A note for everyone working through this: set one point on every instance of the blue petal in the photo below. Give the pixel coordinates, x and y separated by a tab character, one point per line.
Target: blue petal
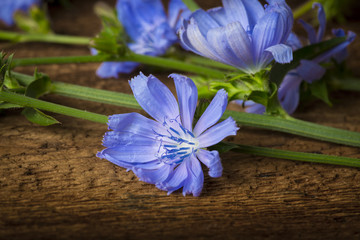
154	97
217	133
343	54
247	12
310	31
219	15
176	178
196	42
310	71
113	69
153	176
204	21
136	17
267	32
252	107
338	49
187	96
254	11
281	53
217	38
212	113
135	123
212	160
294	42
322	22
193	184
240	44
177	13
289	92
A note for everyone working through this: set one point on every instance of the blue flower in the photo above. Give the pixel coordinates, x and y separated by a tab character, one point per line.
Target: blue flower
167	151
241	33
308	70
151	31
9	7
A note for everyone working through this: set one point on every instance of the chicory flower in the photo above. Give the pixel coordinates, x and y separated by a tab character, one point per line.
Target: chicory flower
151	31
167	151
9	7
242	33
308	70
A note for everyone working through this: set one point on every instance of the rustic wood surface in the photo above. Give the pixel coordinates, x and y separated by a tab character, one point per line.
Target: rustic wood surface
54	187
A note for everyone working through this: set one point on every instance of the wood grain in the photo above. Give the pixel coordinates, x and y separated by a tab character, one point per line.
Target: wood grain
54	187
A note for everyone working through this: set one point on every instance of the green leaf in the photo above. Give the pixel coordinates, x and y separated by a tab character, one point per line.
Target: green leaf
38	117
278	71
40	86
319	90
5	105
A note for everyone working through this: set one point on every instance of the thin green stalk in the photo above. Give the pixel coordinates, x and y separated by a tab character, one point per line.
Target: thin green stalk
51	107
84	93
296	127
303	9
297	156
349	84
208	62
192	5
132	57
292	126
51	38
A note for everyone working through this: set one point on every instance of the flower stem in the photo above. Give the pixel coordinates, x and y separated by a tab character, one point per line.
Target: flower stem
303	9
131	57
51	107
290	125
51	38
297	127
208	62
192	5
84	93
349	84
297	156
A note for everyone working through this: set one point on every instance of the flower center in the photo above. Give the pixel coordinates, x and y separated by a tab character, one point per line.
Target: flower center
178	144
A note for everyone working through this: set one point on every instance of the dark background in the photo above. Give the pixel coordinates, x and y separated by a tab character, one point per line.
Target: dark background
54	187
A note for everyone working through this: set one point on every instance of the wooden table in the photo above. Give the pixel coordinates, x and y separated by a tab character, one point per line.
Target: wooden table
54	187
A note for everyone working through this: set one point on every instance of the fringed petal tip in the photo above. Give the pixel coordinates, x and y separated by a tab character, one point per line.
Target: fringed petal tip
281	53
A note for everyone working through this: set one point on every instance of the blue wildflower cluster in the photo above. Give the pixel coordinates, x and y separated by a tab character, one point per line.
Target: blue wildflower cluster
150	29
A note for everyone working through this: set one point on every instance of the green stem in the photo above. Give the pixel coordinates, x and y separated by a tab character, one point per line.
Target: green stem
192	5
131	57
297	156
303	9
349	84
51	107
51	38
296	127
84	93
292	126
208	62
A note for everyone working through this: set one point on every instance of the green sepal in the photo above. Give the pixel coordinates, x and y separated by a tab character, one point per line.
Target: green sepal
112	39
278	71
36	116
